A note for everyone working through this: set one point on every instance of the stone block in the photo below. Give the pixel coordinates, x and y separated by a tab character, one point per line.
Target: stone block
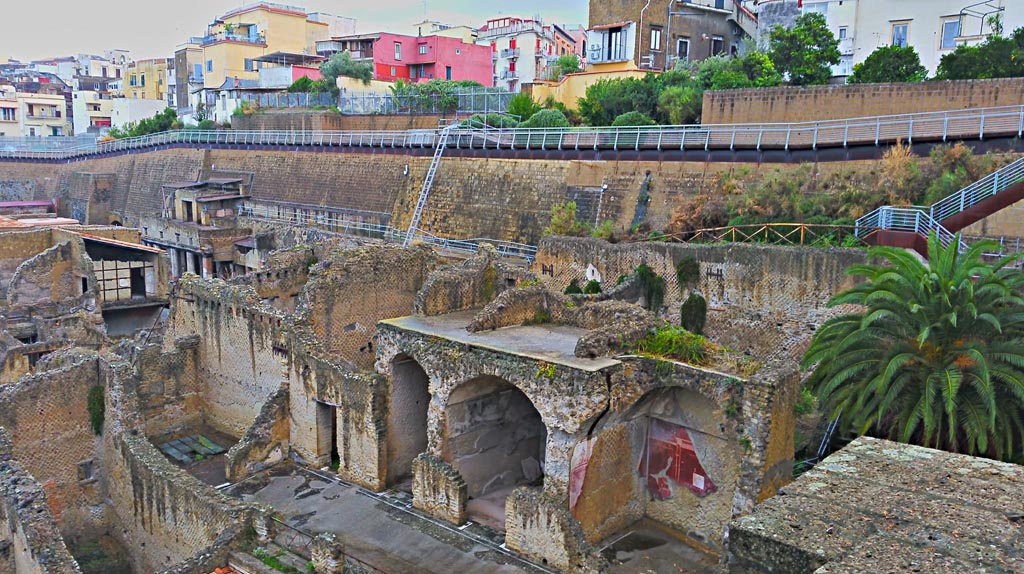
438	489
541	527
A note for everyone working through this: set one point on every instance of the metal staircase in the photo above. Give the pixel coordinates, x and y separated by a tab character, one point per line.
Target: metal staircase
973	203
421	202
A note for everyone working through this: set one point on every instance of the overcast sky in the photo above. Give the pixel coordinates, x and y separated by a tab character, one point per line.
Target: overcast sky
152	29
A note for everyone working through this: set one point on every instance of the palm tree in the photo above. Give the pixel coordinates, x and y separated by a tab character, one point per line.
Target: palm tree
934	355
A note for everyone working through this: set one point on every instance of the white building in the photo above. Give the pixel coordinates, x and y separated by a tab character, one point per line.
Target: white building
933	27
127	110
521	50
92	111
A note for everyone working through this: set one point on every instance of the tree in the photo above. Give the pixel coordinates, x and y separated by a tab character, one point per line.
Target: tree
996	57
342	64
633	119
889	64
546	119
161	122
935	356
522	105
680	104
564	65
805	52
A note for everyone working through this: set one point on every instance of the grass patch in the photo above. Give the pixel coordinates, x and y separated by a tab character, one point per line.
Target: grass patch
675	343
273	561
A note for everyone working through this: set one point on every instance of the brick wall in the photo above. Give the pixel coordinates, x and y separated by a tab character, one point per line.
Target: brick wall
854	101
746	286
48	422
236	362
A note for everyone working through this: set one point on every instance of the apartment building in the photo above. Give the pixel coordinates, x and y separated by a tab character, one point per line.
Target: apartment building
147	79
656	35
415	58
235	41
43	114
93	111
522	50
10	118
933	28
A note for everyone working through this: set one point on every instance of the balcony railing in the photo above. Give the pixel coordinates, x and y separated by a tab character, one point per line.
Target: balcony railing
260	39
510	53
509	74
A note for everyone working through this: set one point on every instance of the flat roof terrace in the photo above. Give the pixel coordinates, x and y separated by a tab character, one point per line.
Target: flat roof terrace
879	506
552	343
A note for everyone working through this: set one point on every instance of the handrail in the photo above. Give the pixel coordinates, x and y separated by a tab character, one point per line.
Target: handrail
930	216
301	216
973	123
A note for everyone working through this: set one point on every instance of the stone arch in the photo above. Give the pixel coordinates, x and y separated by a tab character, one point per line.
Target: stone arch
495	438
670	457
407	407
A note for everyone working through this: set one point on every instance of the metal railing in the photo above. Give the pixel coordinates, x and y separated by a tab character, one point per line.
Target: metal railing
772	233
303	216
975	193
460	101
910	219
935	126
924	218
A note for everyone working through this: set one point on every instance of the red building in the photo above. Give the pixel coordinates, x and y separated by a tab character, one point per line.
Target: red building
417	58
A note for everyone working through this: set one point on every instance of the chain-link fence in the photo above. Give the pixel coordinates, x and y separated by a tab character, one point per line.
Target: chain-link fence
289	100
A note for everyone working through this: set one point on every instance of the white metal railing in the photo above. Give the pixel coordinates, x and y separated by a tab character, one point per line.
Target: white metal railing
932	216
963	124
330	220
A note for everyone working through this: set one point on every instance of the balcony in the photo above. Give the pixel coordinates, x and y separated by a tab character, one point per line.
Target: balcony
846	46
258	40
44	115
509	75
513	30
510	53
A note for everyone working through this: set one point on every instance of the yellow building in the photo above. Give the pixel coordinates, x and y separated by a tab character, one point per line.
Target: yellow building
43	115
147	80
574	86
10	119
432	28
237	38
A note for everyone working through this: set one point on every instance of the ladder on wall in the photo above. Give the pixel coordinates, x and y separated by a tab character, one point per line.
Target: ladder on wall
421	202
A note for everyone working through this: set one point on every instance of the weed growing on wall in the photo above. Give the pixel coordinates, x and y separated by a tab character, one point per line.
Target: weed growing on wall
694	313
675	343
573	288
96	406
592	287
653	285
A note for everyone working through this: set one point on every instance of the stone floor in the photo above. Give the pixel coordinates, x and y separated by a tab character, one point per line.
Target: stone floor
551	343
380	531
647	548
385	533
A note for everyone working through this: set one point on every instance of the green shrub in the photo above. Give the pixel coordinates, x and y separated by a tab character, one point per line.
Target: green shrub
97	407
694	313
592	287
605	230
687	271
563	220
653	286
806	403
573	288
207	125
490	120
675	343
546	119
522	105
633	118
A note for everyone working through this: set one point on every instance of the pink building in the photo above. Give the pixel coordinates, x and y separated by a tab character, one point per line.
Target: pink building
424	58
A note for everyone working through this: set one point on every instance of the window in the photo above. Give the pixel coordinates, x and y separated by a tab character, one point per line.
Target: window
8	114
118	70
132	80
143	81
398	52
249	65
843	32
423	71
86	471
423	49
683	49
899	34
616	49
458	51
104	68
816	7
950	31
209	65
655	39
717	45
392	71
197	71
448	73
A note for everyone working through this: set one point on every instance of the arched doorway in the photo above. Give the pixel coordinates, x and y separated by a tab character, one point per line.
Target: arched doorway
495	438
408	400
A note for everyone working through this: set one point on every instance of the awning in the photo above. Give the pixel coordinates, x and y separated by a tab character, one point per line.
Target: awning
115	242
